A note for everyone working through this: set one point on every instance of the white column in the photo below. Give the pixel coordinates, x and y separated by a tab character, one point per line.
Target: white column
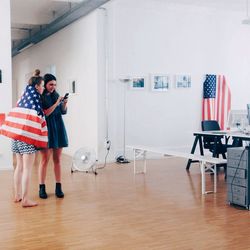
6	85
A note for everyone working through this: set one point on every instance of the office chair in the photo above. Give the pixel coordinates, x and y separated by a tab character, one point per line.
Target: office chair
209	140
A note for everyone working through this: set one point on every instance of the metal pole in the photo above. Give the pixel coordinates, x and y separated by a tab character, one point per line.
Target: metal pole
124	120
122	158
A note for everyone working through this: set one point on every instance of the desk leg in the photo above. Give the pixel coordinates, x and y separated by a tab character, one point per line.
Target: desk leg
134	161
203	178
215	178
144	162
137	154
201	146
192	151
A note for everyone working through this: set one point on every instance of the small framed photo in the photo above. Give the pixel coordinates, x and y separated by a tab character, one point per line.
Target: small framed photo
138	83
183	81
160	83
72	86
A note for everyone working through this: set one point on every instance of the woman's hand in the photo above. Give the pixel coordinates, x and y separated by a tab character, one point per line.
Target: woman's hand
59	99
64	104
65	100
50	110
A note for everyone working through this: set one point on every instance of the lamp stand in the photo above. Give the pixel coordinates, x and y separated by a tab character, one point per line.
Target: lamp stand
122	158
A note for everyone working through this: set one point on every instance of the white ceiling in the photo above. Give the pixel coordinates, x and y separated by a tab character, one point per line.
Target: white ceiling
230	5
29	15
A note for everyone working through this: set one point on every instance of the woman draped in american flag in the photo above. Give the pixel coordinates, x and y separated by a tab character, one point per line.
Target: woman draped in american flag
27	128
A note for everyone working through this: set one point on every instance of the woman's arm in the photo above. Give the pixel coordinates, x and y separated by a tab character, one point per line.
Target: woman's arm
50	110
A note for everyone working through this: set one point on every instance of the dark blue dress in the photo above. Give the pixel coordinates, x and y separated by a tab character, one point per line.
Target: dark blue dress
57	134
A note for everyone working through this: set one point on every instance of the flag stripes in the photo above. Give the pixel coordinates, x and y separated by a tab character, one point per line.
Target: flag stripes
25	125
216	102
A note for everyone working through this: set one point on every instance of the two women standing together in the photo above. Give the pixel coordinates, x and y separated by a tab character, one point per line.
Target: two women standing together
36	124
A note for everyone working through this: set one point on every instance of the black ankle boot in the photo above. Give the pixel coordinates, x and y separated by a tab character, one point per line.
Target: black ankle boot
59	192
42	191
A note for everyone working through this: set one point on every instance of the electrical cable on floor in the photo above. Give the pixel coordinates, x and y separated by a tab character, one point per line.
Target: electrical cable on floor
105	160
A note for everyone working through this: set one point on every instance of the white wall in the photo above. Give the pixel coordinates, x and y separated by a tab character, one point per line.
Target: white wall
6	86
73	51
157	37
142	37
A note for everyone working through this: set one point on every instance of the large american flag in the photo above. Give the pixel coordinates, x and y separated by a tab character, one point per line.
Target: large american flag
216	102
26	122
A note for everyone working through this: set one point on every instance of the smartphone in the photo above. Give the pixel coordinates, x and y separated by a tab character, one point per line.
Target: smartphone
66	96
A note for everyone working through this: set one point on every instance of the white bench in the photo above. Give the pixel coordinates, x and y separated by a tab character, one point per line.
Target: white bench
206	162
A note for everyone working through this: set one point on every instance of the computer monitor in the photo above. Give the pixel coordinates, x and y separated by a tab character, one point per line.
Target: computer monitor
238	119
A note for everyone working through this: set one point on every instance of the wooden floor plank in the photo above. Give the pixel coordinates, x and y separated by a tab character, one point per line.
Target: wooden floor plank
163	209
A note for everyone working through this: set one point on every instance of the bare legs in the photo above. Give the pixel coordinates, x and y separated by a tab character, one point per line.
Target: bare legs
46	153
57	163
18	178
22	176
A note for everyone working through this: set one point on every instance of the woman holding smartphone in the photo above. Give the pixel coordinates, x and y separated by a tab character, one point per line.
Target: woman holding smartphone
54	107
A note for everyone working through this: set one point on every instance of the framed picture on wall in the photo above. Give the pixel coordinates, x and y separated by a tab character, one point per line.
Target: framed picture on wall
72	86
138	83
160	82
183	81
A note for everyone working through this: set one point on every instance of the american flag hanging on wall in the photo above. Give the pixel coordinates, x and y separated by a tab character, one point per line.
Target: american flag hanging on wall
216	102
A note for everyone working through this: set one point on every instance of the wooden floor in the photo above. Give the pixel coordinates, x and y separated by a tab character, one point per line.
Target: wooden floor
116	210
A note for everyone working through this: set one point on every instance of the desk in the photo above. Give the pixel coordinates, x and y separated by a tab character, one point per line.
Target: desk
218	135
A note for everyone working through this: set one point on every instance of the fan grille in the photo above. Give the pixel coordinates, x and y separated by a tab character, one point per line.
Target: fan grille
84	159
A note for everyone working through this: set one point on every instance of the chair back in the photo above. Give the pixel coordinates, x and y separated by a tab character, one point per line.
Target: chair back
209	125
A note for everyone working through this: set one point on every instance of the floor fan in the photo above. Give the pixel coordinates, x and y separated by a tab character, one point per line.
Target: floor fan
84	160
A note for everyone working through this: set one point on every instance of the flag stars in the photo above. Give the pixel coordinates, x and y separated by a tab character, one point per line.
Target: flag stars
31	100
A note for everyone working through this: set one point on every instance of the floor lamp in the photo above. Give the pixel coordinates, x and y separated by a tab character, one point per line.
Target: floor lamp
122	158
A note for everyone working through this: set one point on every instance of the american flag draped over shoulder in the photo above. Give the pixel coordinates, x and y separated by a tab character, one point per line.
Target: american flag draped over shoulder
26	122
216	102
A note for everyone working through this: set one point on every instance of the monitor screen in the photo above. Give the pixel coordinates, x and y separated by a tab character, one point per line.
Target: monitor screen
238	119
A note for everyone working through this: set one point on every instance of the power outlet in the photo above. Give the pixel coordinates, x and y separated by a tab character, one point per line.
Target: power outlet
107	144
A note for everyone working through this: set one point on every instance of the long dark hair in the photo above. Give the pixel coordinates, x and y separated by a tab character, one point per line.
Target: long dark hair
54	95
